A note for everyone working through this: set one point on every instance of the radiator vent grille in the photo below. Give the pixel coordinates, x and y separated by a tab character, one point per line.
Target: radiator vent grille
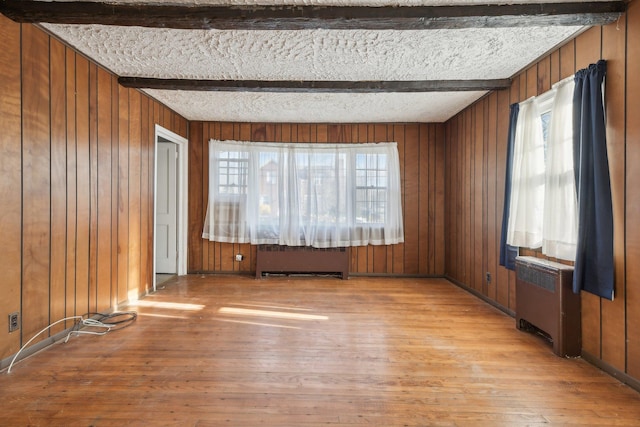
302	259
284	248
541	278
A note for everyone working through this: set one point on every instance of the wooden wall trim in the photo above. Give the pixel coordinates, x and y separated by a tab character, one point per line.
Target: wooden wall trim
288	17
315	86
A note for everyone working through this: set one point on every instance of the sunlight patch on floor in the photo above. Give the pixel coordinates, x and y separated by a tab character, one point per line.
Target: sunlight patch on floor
167	305
267	313
164	316
265	305
257	323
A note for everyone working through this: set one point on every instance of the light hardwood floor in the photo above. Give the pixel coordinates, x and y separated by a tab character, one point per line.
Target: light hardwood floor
234	351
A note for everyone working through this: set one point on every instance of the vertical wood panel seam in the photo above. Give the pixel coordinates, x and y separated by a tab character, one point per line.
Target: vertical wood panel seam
600	299
404	192
431	220
485	189
558	54
97	175
483	197
419	193
66	180
50	180
430	234
128	248
472	199
140	243
499	219
92	280
624	191
116	159
20	49
446	185
204	140
75	138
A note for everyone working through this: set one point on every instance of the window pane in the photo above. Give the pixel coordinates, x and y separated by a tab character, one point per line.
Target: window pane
232	172
371	188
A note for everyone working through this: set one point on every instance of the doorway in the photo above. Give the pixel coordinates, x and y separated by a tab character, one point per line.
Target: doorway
170	203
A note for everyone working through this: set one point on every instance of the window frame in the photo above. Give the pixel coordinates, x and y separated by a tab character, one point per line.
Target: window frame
328	219
367	189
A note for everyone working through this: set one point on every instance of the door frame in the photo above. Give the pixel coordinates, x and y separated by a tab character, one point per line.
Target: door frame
182	198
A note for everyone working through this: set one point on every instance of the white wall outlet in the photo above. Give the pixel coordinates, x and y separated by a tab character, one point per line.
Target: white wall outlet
239	257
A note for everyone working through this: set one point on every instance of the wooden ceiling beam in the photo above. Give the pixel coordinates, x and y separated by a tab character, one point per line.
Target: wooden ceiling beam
316	86
312	17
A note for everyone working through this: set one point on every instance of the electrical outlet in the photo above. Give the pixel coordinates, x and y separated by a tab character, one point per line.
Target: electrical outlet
488	278
14	321
239	257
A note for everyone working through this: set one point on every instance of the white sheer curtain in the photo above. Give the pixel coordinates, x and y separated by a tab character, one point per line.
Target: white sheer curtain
321	195
528	179
560	231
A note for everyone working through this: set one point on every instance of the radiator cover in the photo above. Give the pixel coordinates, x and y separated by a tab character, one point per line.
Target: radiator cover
302	259
545	300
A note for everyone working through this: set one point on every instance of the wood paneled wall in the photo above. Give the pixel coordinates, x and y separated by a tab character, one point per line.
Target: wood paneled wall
475	169
77	200
77	184
421	149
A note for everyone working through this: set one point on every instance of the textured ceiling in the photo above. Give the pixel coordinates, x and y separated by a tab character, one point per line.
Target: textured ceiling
491	53
317	107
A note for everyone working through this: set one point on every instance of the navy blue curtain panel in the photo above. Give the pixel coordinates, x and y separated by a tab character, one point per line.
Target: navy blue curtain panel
593	271
508	253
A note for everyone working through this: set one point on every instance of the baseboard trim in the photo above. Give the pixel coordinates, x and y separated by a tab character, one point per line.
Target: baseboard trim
398	276
481	296
35	348
595	361
43	344
614	372
387	275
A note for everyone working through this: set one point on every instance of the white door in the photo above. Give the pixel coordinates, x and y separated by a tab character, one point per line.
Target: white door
166	209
